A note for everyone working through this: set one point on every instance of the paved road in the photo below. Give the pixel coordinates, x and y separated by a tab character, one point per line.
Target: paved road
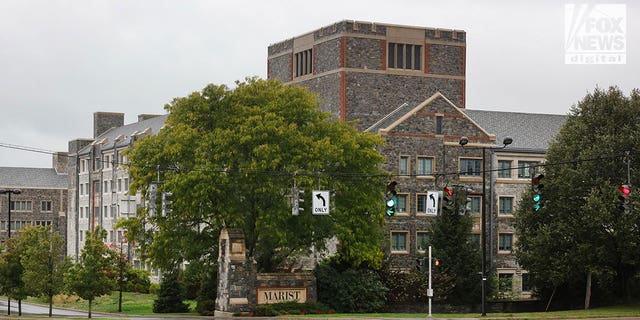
31	309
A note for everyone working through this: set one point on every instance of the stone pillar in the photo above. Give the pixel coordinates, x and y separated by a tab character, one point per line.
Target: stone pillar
236	275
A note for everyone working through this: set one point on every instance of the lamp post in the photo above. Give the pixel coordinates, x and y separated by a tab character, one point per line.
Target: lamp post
464	141
9	192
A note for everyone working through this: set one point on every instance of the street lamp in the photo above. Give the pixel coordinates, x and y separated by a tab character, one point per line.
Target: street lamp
9	192
464	141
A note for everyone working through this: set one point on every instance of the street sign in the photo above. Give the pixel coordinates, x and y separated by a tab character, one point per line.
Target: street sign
320	199
432	202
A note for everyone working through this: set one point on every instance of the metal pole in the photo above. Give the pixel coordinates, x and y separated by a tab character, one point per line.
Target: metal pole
483	227
430	290
9	216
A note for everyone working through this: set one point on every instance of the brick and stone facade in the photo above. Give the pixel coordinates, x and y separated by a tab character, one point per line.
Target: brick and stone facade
351	74
41	201
420	112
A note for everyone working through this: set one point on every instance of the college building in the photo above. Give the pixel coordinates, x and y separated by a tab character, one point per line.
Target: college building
404	83
407	84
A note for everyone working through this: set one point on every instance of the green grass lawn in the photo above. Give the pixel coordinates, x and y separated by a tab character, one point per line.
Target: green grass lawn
142	304
132	303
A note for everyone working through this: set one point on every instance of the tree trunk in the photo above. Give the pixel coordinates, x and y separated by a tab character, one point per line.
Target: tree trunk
551	298
90	300
587	294
19	307
50	305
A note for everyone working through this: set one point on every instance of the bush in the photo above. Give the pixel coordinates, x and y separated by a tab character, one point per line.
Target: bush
154	288
206	307
350	290
137	281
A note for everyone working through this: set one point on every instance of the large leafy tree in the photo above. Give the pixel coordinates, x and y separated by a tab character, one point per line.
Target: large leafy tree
231	156
580	237
44	262
90	276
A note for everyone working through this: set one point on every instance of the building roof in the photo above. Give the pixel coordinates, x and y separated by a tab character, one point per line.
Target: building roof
121	136
35	178
531	132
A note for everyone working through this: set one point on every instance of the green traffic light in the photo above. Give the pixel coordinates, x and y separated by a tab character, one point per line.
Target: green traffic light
537	197
537	207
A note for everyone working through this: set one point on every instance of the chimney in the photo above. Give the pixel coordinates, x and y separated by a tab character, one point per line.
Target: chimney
103	121
60	160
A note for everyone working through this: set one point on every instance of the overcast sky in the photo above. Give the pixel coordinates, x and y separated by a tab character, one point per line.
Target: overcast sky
61	61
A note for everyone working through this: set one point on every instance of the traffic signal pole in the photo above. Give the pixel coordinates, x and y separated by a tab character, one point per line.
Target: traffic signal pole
430	290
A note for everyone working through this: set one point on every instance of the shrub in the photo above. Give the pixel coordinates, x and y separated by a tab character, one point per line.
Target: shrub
205	307
350	290
137	281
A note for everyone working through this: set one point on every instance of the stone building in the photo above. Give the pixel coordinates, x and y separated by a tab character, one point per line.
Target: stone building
99	181
407	84
40	197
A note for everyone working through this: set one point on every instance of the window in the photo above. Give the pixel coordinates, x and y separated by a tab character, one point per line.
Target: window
120	236
470	167
21	205
505	282
526	282
81	189
403	168
45	206
421	203
525	169
112	237
106	161
504	168
506	205
404	56
505	242
86	188
401	206
105	212
425	166
126	184
119	185
83	165
304	62
81	234
422	240
105	188
97	163
439	129
399	241
474	204
81	212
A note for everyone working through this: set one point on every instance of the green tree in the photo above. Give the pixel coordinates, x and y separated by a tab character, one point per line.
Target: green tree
580	238
459	255
11	272
44	262
90	277
231	156
171	294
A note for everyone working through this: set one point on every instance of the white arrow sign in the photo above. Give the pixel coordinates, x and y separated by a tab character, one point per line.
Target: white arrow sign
320	199
432	202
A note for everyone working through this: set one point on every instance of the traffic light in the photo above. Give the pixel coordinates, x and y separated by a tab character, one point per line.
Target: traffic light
167	202
153	191
447	196
420	265
296	201
537	189
437	264
391	198
624	197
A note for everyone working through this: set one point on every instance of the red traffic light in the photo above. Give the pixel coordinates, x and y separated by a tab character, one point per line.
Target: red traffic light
625	189
448	191
538	178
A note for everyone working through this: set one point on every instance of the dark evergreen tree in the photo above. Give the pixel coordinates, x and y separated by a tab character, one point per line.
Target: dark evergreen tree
452	245
170	295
